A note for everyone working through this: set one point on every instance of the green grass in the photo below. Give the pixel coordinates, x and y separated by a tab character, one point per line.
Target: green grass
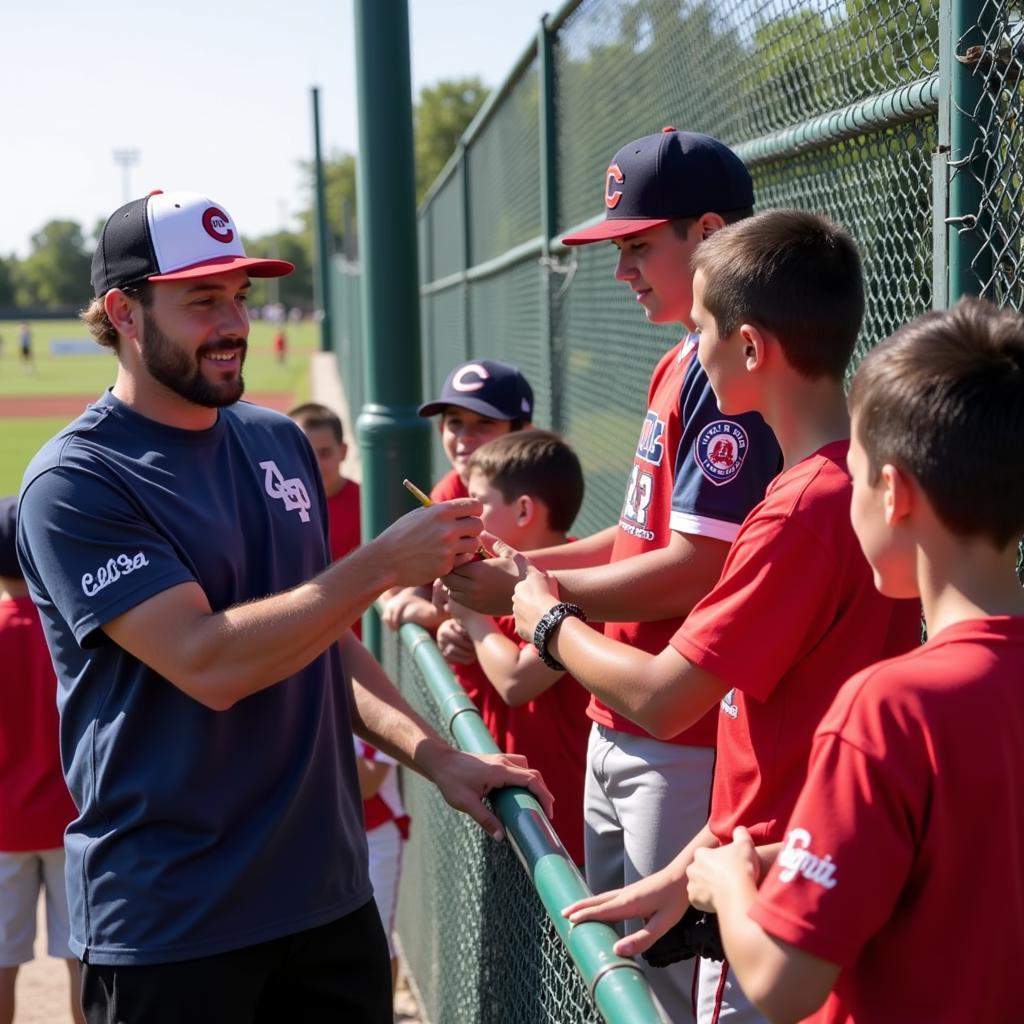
89	375
21	440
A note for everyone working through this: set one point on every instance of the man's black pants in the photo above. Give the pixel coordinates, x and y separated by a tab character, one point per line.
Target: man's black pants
337	972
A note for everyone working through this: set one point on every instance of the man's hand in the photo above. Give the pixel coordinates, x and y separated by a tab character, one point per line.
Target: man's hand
454	643
713	869
486	586
465	779
658	900
429	542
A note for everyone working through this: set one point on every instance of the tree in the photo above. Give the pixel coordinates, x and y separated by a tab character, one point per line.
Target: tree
7	281
297	288
340	199
442	114
56	272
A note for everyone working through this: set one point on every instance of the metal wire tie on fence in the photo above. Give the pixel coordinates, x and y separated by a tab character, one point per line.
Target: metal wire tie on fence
968	222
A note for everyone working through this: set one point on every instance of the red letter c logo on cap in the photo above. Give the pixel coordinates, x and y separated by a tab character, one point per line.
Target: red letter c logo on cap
611	199
459	382
217	224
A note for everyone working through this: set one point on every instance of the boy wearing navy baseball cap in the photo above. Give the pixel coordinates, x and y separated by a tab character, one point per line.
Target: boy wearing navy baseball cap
910	815
686	496
481	399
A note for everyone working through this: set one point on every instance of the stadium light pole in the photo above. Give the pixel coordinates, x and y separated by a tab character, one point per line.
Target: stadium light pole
126	159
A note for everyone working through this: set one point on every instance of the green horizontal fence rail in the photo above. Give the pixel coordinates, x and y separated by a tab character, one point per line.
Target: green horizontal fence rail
900	119
479	922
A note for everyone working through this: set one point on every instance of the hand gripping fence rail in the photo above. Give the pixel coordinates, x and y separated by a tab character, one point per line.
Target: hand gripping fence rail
483	937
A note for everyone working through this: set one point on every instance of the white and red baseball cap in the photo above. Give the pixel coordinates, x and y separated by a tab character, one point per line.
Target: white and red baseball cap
169	236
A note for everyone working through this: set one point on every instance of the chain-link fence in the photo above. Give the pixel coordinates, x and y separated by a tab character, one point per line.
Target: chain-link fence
909	135
901	119
475	935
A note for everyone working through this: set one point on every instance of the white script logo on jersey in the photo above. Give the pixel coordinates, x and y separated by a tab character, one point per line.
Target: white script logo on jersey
728	704
120	565
796	859
292	492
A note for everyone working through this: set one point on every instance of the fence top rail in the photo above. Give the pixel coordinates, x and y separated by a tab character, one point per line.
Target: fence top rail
615	983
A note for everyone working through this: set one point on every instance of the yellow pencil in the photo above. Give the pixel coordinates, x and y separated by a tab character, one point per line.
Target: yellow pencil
417	493
425	501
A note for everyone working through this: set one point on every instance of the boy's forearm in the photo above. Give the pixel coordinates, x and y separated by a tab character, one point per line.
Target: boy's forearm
662	693
661	584
517	677
588	551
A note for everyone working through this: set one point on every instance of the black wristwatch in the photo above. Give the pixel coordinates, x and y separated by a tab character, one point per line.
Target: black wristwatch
548	623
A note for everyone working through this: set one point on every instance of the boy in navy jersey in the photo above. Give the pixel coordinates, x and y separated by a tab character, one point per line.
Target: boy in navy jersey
694	475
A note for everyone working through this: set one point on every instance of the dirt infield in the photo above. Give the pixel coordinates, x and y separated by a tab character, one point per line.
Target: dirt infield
31	406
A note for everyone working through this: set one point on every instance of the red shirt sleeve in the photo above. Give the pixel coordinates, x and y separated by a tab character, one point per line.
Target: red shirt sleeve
775	599
847	855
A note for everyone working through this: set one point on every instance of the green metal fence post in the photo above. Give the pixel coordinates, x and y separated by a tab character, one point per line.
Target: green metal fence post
393	440
548	206
961	26
321	279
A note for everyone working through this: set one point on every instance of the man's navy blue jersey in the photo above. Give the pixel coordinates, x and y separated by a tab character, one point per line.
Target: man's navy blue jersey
199	831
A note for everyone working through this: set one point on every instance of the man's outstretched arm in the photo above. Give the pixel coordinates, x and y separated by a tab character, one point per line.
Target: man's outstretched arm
382	716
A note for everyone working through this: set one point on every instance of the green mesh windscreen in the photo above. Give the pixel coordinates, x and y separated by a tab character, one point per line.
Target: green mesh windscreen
606	352
506	322
473	933
504	201
347	332
445	312
446	241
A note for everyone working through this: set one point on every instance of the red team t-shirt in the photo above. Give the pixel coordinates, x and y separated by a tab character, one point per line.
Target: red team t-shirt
343	520
35	806
449	487
694	471
344	528
793	616
904	857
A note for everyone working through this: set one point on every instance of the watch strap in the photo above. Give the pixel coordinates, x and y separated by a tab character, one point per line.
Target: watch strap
546	626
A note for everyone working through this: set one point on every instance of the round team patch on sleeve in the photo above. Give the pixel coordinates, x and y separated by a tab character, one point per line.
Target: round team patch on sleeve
720	450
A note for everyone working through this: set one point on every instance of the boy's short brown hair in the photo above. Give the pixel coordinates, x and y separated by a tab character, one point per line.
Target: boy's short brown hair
795	274
534	462
943	399
313	415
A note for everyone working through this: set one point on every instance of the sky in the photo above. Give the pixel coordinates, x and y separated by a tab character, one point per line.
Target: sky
213	95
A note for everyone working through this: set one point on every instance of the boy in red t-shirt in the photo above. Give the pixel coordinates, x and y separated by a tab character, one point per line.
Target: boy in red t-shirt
778	301
35	806
905	850
481	400
531	487
326	436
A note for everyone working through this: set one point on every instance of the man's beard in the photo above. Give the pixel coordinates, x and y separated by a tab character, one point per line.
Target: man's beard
182	372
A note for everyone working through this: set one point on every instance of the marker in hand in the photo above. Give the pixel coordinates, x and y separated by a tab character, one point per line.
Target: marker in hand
426	502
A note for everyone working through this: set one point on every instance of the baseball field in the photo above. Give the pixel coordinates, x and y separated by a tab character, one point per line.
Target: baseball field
65	376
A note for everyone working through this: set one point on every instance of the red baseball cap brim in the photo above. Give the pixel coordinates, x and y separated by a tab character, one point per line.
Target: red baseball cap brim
256	268
609	229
